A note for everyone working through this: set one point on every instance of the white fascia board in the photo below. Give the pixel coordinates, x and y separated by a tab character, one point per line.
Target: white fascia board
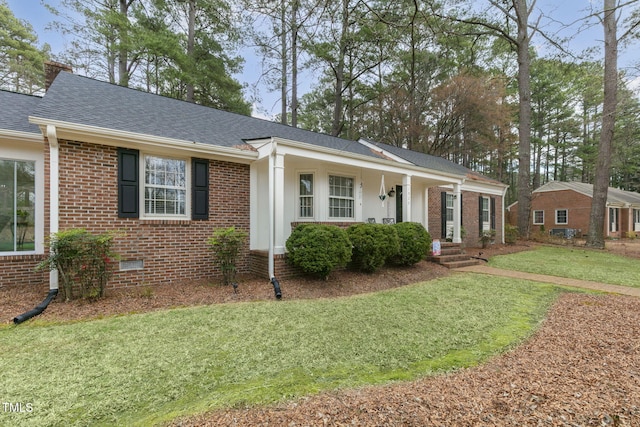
112	137
486	188
314	152
22	136
384	152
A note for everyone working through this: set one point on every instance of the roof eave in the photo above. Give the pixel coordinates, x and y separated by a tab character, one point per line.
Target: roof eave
112	137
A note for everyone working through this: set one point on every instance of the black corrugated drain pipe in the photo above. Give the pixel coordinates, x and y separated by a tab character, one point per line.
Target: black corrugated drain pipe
37	310
276	287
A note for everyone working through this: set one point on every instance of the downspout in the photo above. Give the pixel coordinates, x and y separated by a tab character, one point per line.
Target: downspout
54	224
272	219
504	193
54	193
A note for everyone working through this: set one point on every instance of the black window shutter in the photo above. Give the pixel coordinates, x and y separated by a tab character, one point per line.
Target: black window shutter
461	211
200	189
443	214
493	213
128	183
480	215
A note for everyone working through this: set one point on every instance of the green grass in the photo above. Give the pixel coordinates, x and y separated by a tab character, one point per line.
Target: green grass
574	263
149	368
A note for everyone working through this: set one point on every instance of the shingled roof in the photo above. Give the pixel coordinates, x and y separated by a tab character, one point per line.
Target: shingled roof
81	100
615	196
15	111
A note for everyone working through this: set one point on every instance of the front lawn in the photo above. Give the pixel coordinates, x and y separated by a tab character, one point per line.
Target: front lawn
574	263
149	368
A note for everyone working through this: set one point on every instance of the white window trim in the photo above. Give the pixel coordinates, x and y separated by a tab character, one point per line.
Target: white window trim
534	217
486	225
556	218
142	192
38	158
329	197
314	196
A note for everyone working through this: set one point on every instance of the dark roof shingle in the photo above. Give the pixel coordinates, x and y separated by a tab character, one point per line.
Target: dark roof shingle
15	110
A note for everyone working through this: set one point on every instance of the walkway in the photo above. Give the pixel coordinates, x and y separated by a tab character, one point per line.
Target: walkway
563	281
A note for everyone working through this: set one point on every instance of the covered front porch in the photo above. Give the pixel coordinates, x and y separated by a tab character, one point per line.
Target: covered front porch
292	182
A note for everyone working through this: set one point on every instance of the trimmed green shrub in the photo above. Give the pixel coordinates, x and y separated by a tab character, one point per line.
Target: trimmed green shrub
510	233
373	245
415	243
318	249
84	262
226	244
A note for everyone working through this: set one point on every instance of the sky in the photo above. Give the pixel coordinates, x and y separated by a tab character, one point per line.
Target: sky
555	12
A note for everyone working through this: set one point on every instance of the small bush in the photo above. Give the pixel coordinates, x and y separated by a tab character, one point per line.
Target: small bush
226	244
510	234
83	261
373	245
487	237
318	249
415	243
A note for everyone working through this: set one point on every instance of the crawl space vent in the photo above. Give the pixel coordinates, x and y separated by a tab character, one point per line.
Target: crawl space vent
131	265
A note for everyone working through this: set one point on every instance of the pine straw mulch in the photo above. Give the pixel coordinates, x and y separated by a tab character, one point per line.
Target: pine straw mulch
581	368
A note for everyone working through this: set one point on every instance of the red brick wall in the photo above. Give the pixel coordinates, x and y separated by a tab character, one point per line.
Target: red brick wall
578	209
173	251
470	215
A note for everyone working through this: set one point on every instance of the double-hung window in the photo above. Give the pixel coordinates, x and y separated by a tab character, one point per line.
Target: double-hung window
17	205
341	197
306	195
449	213
562	216
538	217
165	186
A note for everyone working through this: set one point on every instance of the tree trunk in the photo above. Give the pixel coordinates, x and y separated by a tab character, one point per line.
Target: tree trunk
337	122
294	63
190	46
123	54
283	64
603	165
524	127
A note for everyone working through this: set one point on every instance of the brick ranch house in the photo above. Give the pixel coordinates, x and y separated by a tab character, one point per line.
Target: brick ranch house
564	208
165	173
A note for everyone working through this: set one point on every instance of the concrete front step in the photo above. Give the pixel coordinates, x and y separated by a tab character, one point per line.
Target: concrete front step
459	264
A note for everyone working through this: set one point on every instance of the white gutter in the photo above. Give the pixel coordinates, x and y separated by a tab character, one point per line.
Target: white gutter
54	193
99	135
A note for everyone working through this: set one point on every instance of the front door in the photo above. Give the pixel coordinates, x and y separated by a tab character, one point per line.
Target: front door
398	203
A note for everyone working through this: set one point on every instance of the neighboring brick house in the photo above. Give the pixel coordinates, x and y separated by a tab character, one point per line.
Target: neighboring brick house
564	208
165	173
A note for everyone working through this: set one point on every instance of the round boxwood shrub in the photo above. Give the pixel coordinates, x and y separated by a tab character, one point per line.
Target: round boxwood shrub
415	243
318	249
373	245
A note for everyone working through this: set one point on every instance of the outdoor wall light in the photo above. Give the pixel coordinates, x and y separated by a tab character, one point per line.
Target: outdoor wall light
391	193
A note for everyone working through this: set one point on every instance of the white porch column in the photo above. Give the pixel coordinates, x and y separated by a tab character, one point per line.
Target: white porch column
278	198
406	198
457	213
54	192
425	209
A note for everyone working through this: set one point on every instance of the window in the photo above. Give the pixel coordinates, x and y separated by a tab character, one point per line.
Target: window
636	220
449	213
562	216
306	195
17	205
485	209
341	200
165	186
538	217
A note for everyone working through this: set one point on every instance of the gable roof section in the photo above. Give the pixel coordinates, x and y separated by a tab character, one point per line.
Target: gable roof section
83	101
615	196
15	111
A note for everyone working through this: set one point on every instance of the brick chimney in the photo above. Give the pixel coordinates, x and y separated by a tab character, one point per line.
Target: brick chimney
51	71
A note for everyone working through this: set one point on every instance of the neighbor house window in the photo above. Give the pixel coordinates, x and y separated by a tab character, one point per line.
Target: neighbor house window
613	219
17	205
165	186
306	195
562	216
538	217
636	220
341	199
